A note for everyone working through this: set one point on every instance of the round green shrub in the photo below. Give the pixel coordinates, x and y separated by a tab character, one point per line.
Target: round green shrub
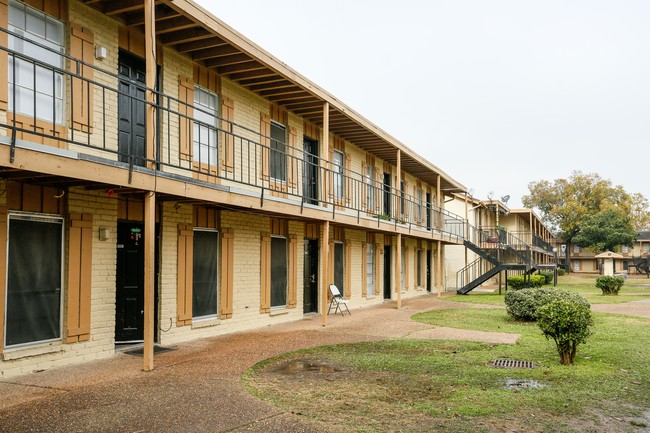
610	285
518	282
548	276
523	304
561	272
567	323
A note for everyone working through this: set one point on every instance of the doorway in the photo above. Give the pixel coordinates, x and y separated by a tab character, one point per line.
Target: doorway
428	270
310	283
428	205
387	195
131	109
129	291
310	171
387	273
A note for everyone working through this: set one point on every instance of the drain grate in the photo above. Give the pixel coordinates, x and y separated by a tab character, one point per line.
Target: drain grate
511	363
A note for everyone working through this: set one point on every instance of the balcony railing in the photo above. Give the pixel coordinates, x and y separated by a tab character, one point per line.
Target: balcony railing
194	143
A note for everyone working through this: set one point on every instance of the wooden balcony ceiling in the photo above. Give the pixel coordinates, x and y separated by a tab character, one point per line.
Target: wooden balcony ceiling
194	32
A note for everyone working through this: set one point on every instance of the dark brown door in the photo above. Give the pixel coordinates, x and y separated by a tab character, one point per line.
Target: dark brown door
387	274
310	284
131	109
129	293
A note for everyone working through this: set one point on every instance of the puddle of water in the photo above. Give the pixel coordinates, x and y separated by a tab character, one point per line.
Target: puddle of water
524	384
298	366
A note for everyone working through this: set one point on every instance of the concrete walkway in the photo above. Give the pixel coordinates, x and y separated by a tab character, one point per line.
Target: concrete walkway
197	386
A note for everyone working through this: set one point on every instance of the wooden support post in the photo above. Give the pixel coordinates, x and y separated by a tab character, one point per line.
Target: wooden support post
398	270
150	197
324	266
149	263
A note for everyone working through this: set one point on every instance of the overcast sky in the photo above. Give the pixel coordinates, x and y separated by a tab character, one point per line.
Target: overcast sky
496	93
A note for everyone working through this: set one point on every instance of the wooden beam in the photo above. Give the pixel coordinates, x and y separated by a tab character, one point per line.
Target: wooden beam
252	65
214	51
280	84
189	35
295	91
137	18
120	7
175	25
210	42
232	59
149	198
261	73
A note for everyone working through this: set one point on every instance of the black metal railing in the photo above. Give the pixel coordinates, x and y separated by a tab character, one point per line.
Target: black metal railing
194	142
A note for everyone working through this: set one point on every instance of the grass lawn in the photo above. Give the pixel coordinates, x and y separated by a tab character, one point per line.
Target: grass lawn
450	386
634	289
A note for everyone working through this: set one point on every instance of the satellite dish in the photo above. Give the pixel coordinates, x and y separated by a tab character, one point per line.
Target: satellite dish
505	199
490	195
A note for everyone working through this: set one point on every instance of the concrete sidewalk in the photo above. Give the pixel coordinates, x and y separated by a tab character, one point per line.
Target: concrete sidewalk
197	387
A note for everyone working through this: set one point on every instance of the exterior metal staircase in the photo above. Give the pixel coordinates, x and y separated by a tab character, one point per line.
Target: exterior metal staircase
497	250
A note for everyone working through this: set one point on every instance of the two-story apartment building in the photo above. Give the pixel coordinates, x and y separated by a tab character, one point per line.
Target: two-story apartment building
628	260
165	179
499	241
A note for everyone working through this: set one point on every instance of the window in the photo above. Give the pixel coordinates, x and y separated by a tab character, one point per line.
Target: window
646	248
279	270
576	249
418	199
339	166
626	265
625	249
576	265
205	273
34	279
205	126
35	89
370	190
339	266
278	153
403	197
370	270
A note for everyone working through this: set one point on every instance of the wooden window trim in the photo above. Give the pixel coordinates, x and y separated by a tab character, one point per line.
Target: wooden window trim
82	47
80	247
265	273
184	279
227	269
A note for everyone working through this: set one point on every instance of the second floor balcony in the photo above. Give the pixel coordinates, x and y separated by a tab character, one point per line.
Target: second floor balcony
66	104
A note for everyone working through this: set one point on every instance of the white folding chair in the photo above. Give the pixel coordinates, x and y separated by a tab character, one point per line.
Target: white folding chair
338	301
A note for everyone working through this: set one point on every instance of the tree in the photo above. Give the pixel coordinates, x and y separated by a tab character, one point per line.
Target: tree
565	203
605	231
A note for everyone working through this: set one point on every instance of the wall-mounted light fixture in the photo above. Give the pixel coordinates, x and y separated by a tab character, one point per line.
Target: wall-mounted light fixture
104	233
100	52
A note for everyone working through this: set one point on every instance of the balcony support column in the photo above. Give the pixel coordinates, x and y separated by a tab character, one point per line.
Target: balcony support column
439	269
150	196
